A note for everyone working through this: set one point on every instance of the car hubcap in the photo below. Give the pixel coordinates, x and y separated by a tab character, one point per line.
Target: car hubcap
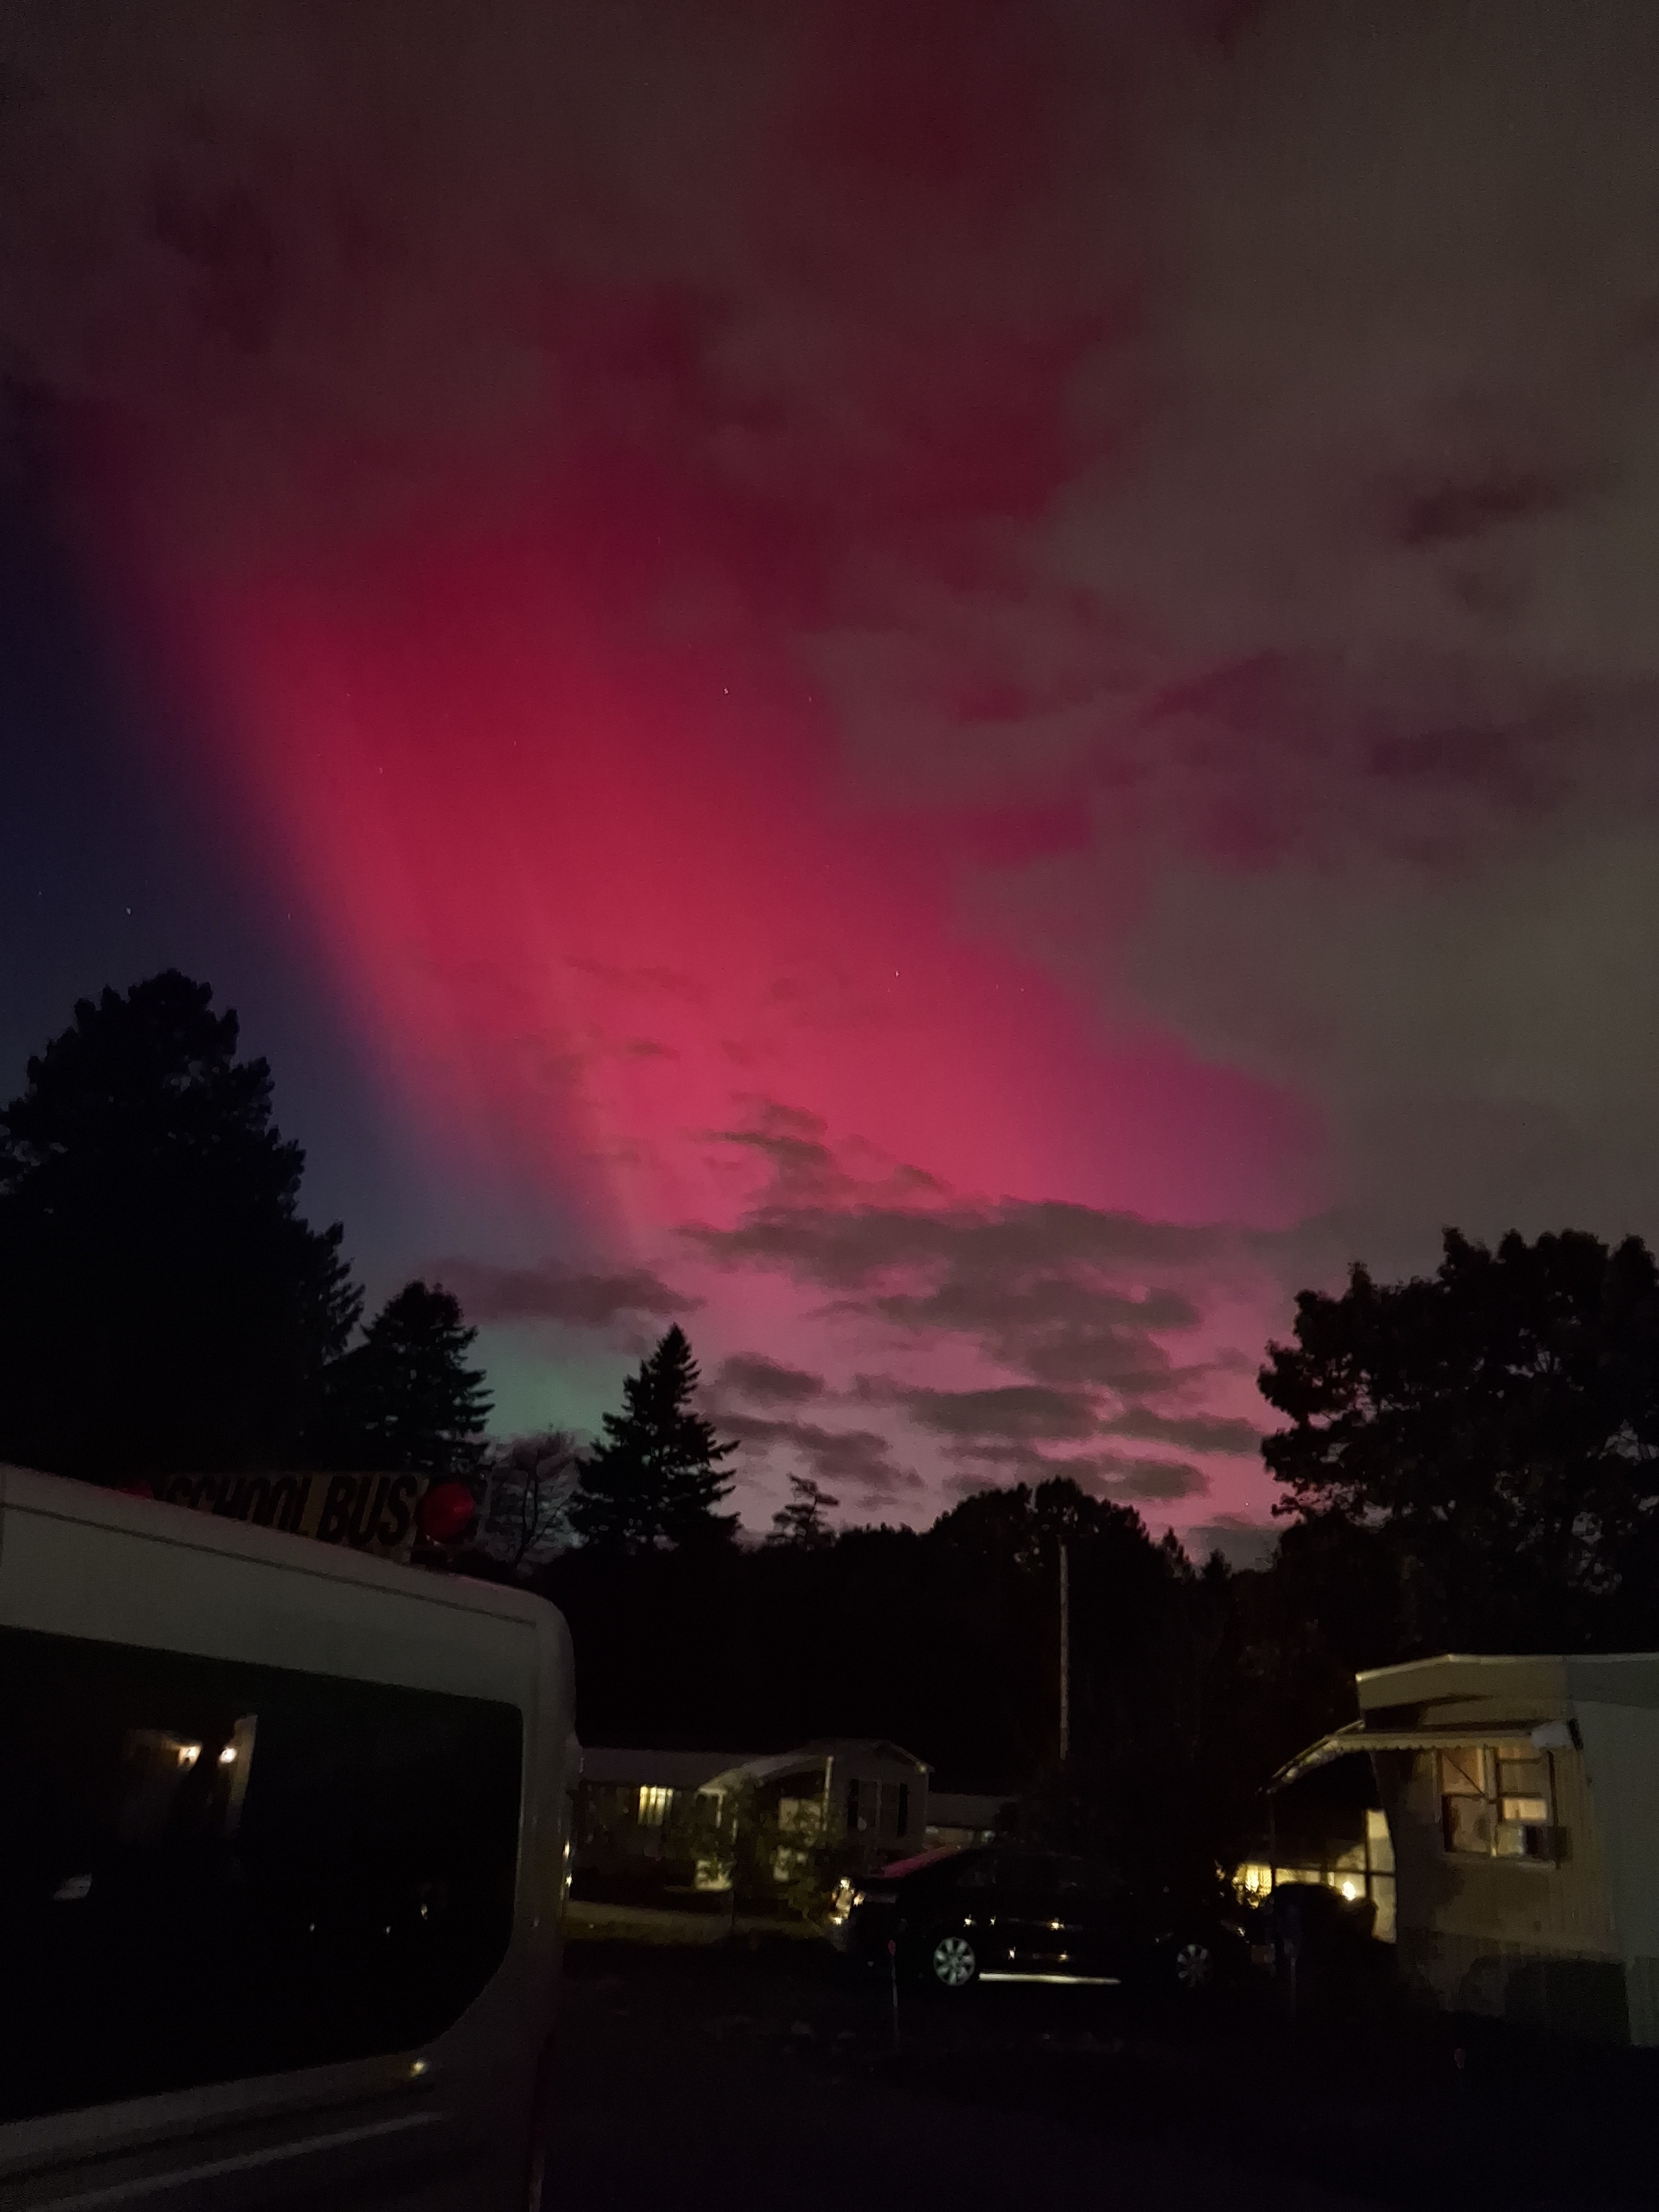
1192	1965
953	1960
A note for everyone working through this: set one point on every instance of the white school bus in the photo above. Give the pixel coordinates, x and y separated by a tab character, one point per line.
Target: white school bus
284	1838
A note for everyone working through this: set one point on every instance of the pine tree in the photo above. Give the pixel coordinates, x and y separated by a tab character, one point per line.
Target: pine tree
801	1523
404	1397
163	1303
657	1479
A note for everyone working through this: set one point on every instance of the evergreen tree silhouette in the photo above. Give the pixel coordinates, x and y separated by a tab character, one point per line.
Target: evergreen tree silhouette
404	1398
657	1479
163	1305
801	1521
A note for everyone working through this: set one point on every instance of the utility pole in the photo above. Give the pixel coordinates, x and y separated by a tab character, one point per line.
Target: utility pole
1065	1655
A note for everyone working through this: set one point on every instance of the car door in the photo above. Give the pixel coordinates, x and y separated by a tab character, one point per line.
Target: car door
1024	1913
1101	1930
969	1896
1060	1920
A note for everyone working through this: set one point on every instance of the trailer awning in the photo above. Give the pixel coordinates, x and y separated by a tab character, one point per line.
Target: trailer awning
1356	1736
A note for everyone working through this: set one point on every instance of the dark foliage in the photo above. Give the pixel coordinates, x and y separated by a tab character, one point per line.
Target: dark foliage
804	1520
1475	1452
163	1305
404	1398
526	1521
657	1478
1187	1688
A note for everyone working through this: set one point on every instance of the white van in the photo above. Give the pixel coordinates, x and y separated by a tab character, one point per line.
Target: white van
283	1841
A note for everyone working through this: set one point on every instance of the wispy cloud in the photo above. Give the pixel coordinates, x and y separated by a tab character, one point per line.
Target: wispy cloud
1070	1314
854	1459
762	1382
489	1292
1123	1477
1012	1410
1193	1431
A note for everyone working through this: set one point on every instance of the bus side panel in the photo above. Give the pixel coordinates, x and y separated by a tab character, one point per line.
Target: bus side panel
70	1575
139	1586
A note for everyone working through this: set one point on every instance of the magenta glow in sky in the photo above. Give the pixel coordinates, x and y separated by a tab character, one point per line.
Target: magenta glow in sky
970	686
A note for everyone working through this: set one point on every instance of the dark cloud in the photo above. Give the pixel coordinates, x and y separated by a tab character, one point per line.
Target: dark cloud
766	1382
1075	1299
1209	1432
1062	1328
1129	1480
792	1144
1276	515
1249	511
1014	1410
854	1246
493	1293
840	1458
1068	1295
1444	509
1160	1481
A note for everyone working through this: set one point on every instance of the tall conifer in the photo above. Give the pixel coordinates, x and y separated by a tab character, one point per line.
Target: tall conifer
657	1479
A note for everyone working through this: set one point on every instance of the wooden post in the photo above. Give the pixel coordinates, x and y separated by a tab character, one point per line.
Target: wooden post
1065	1656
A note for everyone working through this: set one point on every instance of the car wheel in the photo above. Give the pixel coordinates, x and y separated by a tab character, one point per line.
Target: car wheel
1192	1965
951	1962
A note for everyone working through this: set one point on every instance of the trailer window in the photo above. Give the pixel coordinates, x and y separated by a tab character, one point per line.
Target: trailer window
1495	1801
209	1870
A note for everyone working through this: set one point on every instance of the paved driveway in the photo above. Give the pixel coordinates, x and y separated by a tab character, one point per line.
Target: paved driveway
691	2081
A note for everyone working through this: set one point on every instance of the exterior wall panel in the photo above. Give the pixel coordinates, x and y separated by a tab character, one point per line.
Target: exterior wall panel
1567	1944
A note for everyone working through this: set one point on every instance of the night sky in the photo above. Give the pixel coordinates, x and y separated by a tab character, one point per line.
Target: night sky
954	691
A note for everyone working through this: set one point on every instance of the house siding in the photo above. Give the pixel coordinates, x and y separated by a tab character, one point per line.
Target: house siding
1570	1945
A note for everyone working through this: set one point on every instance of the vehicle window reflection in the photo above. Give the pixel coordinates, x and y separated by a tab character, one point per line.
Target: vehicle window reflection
210	1870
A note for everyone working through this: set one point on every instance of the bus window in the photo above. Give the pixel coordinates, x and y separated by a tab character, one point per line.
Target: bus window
210	1870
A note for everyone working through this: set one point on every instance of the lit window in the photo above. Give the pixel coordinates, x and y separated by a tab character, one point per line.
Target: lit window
653	1805
1523	1801
1495	1801
799	1816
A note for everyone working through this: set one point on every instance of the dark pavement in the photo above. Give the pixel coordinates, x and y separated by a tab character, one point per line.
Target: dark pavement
742	2076
692	2078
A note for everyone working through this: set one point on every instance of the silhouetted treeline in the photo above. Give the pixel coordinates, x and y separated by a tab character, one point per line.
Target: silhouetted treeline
1186	1689
164	1305
1473	1457
1471	1463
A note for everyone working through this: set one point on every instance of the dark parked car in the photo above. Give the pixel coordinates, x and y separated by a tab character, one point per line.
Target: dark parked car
991	1914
